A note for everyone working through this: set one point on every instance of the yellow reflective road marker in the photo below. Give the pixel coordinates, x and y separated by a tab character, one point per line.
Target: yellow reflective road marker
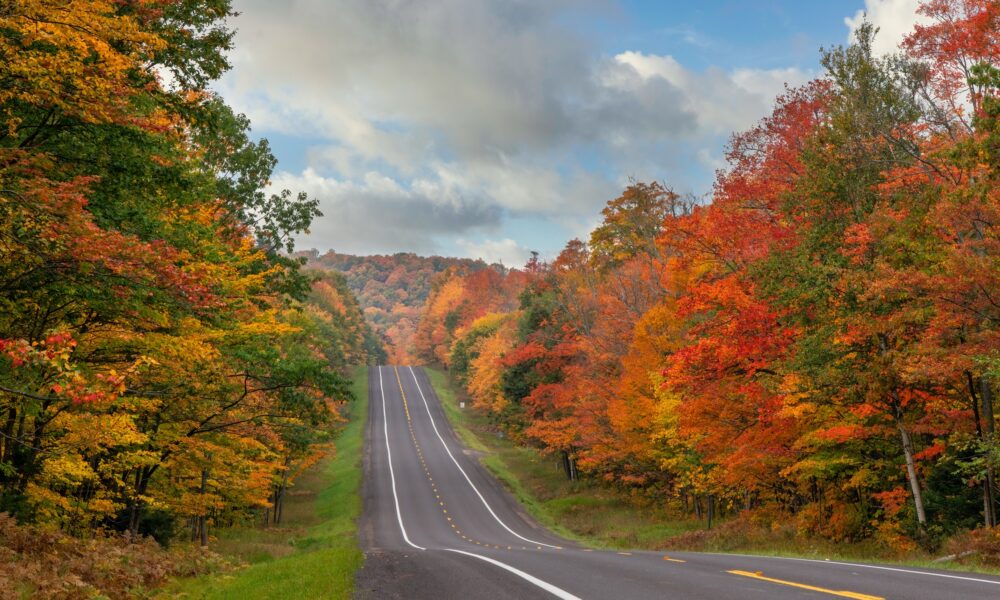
841	593
676	560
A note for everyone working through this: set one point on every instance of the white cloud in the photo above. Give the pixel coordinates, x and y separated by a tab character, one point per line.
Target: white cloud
894	19
380	214
506	251
721	101
437	119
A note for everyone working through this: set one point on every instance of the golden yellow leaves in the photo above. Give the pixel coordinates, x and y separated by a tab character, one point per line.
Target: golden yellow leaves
73	56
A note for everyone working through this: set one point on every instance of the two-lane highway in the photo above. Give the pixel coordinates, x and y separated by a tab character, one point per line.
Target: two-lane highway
438	525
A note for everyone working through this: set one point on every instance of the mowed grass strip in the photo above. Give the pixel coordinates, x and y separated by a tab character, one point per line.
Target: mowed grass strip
577	510
314	553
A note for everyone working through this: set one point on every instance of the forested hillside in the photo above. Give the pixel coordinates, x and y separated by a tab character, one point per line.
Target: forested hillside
165	369
392	289
819	345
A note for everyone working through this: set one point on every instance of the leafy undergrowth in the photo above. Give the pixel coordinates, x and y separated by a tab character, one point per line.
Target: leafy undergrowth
314	553
37	563
608	518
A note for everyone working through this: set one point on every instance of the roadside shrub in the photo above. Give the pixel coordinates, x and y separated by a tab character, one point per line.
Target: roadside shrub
979	546
41	563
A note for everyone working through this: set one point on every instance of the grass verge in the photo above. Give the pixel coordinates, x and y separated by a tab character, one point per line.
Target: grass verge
605	518
315	552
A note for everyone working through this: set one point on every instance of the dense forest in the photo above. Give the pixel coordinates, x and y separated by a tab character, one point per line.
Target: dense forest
165	367
819	344
392	289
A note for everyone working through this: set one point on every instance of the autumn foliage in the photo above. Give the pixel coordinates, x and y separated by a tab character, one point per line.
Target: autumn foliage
820	342
392	290
165	368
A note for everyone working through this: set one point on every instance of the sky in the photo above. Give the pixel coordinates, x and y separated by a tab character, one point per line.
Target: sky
491	128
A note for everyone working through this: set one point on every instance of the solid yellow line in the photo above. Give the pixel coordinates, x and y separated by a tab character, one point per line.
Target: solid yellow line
406	405
803	586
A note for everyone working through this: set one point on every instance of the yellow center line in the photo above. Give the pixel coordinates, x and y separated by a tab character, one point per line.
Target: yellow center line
406	405
841	593
420	455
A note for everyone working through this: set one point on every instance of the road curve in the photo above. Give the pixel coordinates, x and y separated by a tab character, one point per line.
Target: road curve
437	525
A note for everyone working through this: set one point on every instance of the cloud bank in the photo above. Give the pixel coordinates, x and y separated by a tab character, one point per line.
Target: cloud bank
432	125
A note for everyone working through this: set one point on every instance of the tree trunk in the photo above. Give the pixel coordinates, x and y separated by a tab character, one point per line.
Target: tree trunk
989	431
28	470
711	509
7	443
279	495
911	469
567	469
987	395
202	529
989	513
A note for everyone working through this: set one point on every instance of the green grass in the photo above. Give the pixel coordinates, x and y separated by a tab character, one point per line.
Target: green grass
601	517
315	552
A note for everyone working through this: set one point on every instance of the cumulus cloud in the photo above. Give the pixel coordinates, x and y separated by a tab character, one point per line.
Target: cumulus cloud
484	75
378	215
894	19
720	101
446	118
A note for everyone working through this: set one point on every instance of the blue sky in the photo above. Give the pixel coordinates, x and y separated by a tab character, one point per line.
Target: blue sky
729	33
488	128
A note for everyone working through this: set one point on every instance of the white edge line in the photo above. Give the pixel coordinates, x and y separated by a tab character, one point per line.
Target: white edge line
464	474
863	566
392	476
548	587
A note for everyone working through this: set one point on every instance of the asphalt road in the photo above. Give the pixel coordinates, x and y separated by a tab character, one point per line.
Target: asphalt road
438	526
